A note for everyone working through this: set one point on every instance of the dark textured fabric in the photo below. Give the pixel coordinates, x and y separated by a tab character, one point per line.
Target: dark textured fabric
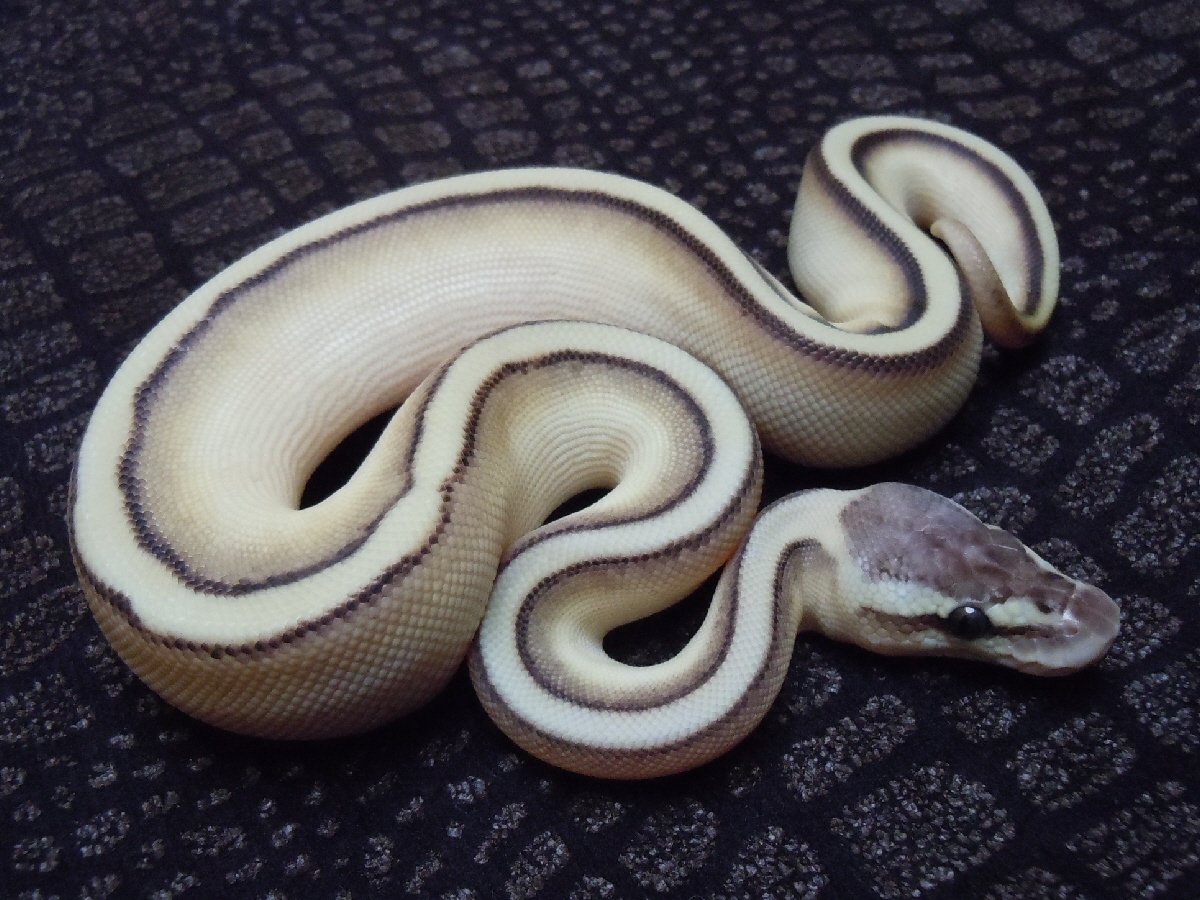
145	144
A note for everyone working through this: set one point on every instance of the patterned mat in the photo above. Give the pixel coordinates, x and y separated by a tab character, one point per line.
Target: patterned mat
145	144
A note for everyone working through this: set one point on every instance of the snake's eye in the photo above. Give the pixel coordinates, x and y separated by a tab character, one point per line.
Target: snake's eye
968	622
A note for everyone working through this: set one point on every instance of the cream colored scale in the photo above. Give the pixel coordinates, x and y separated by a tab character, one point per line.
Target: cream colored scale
658	349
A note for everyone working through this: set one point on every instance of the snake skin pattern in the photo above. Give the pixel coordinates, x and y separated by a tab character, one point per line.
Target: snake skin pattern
145	146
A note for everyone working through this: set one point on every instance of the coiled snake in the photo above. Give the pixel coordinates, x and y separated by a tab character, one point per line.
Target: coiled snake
255	615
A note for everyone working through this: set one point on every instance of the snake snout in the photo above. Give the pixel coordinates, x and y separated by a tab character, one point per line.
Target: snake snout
1094	618
1088	622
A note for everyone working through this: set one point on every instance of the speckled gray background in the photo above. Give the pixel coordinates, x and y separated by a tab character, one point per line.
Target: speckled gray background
145	144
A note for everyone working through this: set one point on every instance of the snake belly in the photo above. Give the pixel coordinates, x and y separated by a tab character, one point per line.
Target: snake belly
257	616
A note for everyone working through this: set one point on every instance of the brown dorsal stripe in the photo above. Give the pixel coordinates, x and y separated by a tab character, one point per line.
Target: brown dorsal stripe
757	696
156	544
917	299
147	393
713	659
868	144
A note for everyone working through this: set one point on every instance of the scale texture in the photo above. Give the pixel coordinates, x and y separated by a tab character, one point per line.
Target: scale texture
146	146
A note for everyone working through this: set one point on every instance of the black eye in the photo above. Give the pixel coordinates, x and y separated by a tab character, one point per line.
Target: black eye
968	622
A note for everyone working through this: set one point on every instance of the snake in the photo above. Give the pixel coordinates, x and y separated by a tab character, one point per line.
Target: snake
543	332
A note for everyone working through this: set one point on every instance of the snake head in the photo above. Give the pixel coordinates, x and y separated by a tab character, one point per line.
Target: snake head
933	579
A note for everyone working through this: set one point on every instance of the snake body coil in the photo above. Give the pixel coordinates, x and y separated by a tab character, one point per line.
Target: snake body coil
257	616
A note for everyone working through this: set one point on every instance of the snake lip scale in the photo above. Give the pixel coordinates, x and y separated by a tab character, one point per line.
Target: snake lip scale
546	332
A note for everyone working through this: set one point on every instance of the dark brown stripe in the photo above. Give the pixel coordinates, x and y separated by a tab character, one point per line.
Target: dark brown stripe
708	448
742	297
917	300
675	549
758	696
156	544
868	144
397	572
931	622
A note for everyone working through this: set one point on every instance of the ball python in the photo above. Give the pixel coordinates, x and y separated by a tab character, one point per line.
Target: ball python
544	332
